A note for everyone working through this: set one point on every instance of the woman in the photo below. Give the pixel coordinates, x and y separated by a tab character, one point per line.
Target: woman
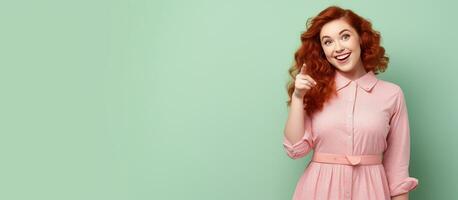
356	124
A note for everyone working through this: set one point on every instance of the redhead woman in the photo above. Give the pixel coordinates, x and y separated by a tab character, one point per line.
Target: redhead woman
356	124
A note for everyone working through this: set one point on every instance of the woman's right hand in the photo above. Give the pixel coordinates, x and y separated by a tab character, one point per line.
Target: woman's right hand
303	83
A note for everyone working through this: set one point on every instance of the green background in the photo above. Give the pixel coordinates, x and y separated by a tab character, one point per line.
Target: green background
109	99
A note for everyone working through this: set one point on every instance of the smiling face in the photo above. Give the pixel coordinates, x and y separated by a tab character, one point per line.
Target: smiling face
341	45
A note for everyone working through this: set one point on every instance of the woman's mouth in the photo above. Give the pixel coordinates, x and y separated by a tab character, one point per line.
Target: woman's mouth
342	58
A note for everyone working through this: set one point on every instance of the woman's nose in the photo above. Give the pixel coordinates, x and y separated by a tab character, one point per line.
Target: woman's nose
338	48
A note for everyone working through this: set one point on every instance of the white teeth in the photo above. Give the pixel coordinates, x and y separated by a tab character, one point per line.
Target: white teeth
341	57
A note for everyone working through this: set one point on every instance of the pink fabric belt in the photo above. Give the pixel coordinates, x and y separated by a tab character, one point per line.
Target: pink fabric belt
347	159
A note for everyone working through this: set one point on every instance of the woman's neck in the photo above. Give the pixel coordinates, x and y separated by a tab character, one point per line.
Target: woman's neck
354	74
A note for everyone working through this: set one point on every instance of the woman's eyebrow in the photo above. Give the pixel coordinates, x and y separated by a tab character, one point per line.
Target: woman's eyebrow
339	33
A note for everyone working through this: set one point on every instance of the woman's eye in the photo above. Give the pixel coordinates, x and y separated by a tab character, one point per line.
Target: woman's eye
346	36
327	42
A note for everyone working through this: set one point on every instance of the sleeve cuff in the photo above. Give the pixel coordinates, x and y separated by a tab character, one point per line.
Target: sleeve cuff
298	149
289	145
404	186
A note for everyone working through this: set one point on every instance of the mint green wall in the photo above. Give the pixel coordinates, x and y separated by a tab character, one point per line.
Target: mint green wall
186	99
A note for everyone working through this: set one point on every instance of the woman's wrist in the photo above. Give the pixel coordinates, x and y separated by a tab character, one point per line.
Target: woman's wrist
297	95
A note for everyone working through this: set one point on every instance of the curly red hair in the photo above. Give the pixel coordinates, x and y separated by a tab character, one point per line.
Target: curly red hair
311	53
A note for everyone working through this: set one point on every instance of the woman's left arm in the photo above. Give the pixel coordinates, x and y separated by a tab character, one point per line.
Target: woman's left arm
397	154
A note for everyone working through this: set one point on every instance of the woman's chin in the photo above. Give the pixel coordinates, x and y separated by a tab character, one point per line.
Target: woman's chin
344	67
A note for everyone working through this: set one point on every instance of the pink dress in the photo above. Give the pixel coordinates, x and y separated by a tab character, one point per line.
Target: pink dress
369	116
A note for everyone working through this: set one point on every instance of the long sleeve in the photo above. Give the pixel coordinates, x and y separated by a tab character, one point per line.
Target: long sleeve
303	146
396	157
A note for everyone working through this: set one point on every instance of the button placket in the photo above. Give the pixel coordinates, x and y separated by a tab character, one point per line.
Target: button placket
350	116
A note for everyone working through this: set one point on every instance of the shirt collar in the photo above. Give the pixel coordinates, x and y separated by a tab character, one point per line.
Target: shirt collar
366	82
